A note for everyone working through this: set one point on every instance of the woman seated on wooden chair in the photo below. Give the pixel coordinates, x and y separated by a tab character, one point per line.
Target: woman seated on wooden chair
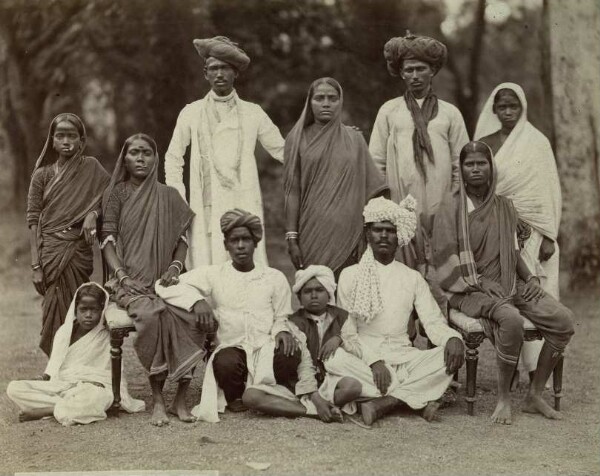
143	241
478	264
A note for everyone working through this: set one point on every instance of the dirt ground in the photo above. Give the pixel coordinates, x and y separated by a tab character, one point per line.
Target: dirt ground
401	443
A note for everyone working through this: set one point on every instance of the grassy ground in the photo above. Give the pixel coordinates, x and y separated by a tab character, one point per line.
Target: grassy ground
402	443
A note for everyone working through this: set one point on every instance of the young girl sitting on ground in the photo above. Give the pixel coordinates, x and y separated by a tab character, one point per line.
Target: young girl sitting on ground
76	385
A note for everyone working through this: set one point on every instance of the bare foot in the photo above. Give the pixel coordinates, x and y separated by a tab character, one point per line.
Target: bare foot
159	415
36	414
536	404
430	411
180	410
502	414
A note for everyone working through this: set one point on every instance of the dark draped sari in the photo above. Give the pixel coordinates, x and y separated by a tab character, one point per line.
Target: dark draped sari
148	228
59	200
337	178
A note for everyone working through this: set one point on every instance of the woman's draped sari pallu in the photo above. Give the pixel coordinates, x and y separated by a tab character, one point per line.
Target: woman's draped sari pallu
337	177
150	224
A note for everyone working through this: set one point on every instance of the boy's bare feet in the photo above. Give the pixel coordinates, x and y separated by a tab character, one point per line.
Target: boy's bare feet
502	414
181	411
536	404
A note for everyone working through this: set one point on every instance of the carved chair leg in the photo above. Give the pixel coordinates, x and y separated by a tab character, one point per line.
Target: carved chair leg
557	375
471	358
116	352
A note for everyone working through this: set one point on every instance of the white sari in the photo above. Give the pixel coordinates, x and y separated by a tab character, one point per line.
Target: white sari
527	175
80	385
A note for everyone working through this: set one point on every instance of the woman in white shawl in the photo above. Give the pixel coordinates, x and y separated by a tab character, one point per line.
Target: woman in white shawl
76	385
527	175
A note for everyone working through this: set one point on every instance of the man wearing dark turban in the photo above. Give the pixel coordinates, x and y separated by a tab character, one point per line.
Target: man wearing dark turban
222	131
249	308
417	138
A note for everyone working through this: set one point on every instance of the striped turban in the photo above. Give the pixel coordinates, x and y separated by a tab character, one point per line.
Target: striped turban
222	48
236	218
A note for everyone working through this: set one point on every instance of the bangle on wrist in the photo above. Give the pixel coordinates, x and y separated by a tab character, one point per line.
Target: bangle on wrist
173	265
120	268
36	266
123	278
291	235
178	264
531	277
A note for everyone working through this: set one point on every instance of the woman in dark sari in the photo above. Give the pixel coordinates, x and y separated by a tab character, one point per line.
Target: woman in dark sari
62	208
479	267
143	241
328	178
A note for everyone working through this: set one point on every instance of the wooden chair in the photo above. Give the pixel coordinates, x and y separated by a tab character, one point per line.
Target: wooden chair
119	325
473	335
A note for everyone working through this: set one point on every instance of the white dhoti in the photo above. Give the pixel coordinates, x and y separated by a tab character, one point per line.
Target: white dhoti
81	402
419	380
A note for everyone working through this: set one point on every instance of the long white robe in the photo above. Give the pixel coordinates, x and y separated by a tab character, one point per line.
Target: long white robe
209	199
75	370
391	147
418	376
251	309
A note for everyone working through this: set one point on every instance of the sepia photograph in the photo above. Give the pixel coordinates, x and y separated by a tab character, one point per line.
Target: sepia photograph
299	237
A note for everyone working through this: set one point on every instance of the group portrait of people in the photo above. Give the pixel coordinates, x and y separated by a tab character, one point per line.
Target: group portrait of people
419	221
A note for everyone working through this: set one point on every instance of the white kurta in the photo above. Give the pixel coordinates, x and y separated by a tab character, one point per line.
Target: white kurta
209	199
251	309
391	147
418	376
79	389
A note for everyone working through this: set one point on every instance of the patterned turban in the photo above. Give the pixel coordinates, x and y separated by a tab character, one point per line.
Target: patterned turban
322	274
236	218
420	48
402	216
222	48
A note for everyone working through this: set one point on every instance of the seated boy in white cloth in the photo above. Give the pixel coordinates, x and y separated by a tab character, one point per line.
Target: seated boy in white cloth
380	294
76	385
249	304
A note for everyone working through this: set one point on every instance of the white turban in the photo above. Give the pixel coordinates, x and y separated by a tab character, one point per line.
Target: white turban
322	274
401	215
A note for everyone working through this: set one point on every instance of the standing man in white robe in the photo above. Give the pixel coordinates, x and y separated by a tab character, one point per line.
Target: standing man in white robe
417	138
380	294
222	131
249	304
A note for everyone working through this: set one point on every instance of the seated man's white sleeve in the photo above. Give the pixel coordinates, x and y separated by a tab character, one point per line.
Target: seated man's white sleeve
430	316
193	286
282	303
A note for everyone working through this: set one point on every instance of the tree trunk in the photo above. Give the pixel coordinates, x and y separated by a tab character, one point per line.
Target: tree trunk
572	31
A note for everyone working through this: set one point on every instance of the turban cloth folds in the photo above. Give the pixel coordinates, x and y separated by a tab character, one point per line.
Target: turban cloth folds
236	218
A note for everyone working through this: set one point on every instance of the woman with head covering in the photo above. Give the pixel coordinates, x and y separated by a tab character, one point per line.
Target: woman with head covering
328	177
62	208
417	137
527	175
76	385
143	242
478	265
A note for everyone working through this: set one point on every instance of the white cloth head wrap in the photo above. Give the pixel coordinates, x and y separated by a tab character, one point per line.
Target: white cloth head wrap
366	301
322	274
401	215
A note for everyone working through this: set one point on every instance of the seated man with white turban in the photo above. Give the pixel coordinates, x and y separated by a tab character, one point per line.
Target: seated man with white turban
221	131
320	323
249	305
380	294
